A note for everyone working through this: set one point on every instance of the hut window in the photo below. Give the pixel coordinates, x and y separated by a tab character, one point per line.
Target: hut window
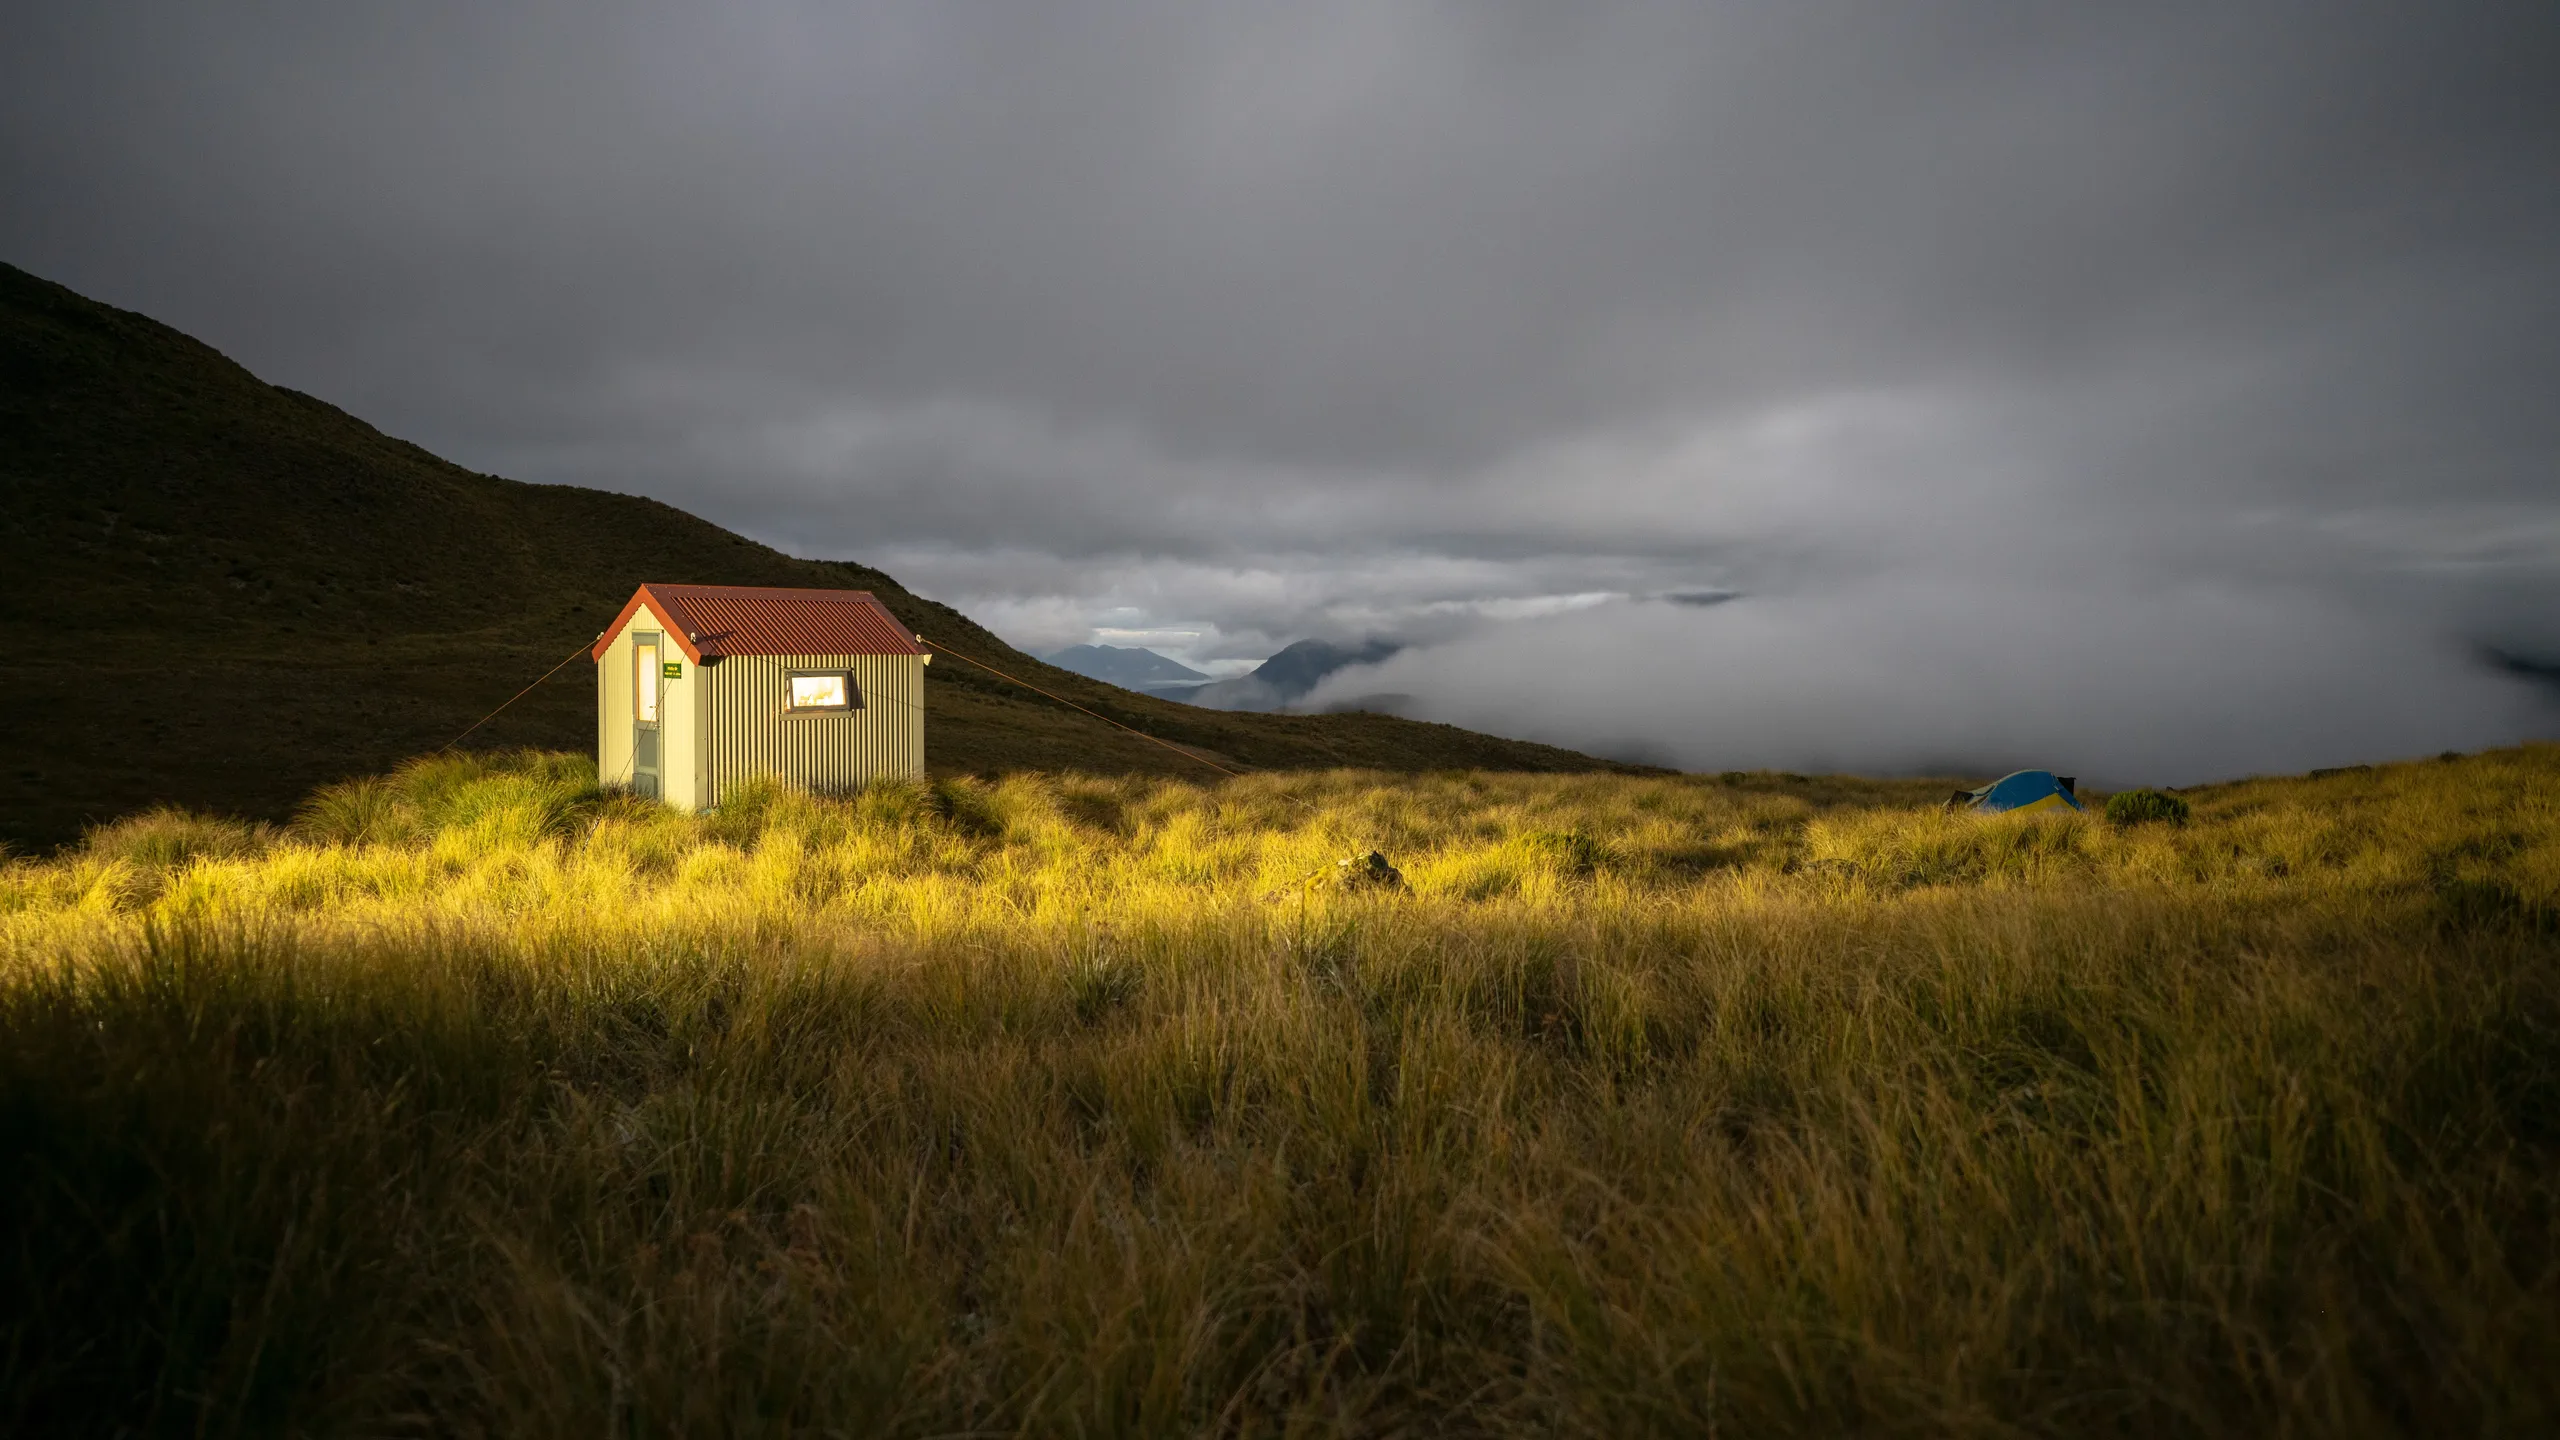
644	675
823	692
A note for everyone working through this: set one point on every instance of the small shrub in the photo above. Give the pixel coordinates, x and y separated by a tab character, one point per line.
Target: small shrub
893	804
168	839
1099	984
2136	807
747	805
970	805
522	793
2466	904
1576	851
366	811
1023	807
509	810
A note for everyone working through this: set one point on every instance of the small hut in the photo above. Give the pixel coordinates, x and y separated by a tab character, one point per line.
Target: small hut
701	686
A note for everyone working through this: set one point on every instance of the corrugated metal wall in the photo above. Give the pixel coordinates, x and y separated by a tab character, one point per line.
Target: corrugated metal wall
749	734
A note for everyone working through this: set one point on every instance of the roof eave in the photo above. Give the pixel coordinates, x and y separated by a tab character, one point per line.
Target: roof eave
640	599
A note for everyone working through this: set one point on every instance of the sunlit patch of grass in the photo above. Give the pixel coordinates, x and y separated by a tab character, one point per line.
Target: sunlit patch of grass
483	1101
1953	847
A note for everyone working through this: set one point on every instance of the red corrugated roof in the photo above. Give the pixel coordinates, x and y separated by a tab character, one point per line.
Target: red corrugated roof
709	621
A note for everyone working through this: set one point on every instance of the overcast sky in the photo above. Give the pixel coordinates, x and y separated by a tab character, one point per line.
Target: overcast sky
2160	391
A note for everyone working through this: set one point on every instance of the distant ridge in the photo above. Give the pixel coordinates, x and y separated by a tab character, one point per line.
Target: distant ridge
221	593
1128	667
1289	676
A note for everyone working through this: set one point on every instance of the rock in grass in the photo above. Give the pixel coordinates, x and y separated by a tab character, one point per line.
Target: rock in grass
1367	872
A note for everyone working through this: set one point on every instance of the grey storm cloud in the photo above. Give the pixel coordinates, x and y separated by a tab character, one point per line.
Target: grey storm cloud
2053	346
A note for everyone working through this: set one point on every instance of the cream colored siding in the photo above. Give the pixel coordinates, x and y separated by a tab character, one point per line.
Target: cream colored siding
698	716
680	730
723	722
750	735
613	711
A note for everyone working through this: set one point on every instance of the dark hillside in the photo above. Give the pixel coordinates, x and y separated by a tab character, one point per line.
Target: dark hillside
221	593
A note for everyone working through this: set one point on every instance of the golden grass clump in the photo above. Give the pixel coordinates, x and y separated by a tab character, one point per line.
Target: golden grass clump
479	1101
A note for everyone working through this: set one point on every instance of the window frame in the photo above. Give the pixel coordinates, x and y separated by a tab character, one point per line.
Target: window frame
852	694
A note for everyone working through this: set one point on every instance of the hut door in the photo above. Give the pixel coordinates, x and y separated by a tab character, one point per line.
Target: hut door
646	690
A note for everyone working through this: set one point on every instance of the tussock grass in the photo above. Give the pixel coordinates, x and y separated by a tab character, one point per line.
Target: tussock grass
480	1102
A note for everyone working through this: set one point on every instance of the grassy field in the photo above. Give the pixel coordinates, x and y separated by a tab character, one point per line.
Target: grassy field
477	1103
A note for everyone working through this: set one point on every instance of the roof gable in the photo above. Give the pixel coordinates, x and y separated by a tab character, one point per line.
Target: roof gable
709	621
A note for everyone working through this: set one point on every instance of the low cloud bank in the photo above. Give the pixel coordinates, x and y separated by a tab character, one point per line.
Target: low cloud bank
1905	674
1217	328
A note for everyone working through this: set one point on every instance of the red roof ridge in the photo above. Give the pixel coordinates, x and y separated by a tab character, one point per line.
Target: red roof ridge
826	591
709	621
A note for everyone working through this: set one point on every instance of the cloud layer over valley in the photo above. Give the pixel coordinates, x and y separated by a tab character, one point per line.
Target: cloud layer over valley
2163	392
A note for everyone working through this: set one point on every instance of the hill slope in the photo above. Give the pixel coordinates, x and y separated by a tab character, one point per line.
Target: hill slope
222	593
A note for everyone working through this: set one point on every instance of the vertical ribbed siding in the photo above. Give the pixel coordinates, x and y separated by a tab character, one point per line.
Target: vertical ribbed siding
613	712
679	718
750	735
604	721
698	682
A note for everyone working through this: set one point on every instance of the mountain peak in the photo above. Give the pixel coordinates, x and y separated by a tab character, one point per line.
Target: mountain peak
1130	667
1290	675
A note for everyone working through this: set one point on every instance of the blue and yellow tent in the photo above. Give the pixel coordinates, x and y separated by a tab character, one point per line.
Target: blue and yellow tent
2025	790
